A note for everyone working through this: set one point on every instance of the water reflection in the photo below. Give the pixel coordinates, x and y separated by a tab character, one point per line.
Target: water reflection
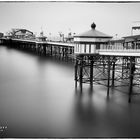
84	107
96	115
38	99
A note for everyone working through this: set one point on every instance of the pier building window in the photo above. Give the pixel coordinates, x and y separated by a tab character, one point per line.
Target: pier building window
135	45
105	46
101	46
82	48
78	47
118	47
93	48
129	45
87	48
125	45
75	48
97	46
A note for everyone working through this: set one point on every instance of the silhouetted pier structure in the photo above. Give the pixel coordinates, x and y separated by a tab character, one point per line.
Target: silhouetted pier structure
98	58
60	50
26	40
112	63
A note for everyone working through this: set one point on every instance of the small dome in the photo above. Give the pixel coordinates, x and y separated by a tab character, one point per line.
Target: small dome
93	25
93	33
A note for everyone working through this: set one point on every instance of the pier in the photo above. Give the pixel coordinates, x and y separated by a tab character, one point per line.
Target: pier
60	50
98	59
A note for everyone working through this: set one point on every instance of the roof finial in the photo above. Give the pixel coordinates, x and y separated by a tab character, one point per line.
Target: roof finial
93	25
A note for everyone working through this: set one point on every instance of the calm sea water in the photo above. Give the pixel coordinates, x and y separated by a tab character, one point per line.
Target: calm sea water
38	99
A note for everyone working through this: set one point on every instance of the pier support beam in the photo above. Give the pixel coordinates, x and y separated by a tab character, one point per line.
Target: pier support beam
132	68
91	71
103	63
113	72
108	79
81	72
44	50
51	49
122	67
76	69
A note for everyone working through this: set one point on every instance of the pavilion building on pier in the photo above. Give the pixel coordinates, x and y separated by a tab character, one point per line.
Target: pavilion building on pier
90	41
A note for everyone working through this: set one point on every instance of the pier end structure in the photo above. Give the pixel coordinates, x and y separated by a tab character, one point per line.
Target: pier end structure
86	50
109	62
90	41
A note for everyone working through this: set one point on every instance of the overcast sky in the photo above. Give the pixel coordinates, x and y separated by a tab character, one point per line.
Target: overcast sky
52	17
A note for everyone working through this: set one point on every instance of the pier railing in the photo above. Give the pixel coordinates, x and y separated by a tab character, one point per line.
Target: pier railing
120	50
114	50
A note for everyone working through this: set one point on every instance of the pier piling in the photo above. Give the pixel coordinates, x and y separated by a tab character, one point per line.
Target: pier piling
113	72
132	67
81	73
91	71
108	79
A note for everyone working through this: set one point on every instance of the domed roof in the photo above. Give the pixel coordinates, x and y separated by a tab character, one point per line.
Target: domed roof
93	33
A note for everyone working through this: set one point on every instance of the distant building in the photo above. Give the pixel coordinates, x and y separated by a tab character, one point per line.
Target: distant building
116	43
42	37
70	38
21	34
135	28
132	42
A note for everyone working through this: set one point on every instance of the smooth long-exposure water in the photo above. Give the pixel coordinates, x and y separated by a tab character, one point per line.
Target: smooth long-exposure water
38	99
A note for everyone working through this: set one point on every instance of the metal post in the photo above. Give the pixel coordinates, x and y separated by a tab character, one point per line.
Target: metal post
103	60
123	66
34	48
59	53
113	73
81	72
37	49
44	49
51	49
108	80
91	71
63	52
66	53
131	78
76	68
54	51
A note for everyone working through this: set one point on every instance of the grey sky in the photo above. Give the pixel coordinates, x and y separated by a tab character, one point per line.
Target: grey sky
110	18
